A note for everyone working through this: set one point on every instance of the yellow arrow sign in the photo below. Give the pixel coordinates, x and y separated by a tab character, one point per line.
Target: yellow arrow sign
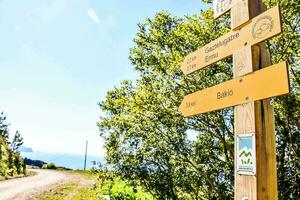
222	6
262	84
260	28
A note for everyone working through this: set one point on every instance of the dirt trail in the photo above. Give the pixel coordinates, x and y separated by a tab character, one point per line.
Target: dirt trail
24	188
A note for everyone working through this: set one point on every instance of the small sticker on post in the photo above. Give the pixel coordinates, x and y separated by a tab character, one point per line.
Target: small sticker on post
246	154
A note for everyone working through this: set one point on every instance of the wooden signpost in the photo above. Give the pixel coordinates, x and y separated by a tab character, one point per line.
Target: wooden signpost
254	126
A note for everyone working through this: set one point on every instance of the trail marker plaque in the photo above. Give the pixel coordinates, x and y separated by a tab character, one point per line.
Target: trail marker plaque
246	154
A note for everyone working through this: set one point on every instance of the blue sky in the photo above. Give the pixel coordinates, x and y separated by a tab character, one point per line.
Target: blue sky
58	58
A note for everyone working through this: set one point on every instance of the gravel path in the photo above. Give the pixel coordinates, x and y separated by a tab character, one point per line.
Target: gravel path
24	188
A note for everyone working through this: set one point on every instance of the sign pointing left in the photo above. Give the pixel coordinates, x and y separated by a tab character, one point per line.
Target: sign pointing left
265	83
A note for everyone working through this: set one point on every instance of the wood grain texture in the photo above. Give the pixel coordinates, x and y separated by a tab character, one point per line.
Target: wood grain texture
242	62
240	14
265	83
258	29
256	116
223	6
266	169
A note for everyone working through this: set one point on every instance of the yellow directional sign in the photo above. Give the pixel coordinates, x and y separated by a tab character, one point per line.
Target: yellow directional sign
222	6
261	84
258	29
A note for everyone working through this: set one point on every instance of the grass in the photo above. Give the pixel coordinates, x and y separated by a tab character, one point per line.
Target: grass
73	190
60	192
85	174
115	187
70	191
86	193
119	189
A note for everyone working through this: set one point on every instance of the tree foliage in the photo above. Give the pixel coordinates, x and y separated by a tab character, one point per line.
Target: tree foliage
11	162
147	139
17	142
3	127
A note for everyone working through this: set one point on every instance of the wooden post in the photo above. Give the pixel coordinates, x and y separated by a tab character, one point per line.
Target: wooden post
254	126
254	117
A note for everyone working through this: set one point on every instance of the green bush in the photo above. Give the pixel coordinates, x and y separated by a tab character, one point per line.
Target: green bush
49	166
118	189
122	196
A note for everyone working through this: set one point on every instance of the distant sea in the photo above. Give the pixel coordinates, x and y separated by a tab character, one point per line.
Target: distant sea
72	161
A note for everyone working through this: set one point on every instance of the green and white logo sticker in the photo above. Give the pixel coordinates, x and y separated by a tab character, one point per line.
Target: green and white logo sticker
246	154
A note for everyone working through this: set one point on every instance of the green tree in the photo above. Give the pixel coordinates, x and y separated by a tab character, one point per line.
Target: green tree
3	127
17	142
11	162
3	145
287	112
146	136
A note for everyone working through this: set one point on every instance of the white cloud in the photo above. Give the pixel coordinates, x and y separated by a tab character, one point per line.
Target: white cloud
93	15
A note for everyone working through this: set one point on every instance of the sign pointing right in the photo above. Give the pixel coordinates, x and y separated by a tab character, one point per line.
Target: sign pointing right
260	28
262	84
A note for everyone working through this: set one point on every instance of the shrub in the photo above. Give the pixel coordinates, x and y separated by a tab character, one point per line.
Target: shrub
49	166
